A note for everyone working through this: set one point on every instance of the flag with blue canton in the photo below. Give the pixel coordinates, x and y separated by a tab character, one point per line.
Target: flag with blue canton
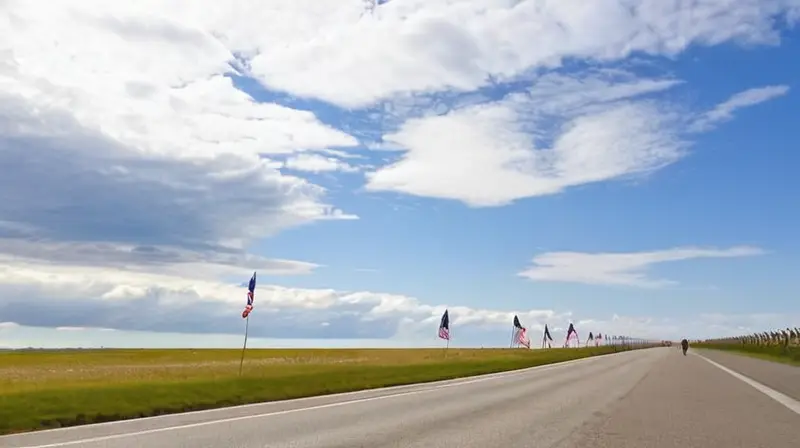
444	326
251	292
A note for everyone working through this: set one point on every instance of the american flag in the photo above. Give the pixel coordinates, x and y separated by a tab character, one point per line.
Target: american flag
251	292
547	333
522	337
570	331
444	326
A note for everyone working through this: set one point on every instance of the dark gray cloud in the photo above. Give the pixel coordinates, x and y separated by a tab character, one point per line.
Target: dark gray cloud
63	182
162	311
113	255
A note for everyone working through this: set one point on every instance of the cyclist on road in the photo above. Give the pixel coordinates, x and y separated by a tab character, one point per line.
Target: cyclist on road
684	346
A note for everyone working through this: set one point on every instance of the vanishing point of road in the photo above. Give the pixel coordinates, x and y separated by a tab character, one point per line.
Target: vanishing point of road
655	398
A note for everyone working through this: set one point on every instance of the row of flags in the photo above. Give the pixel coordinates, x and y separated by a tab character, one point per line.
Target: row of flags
520	333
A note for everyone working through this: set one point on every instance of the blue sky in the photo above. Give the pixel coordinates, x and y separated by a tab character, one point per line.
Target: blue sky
561	170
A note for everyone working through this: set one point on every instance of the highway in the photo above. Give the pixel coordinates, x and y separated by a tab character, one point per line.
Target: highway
654	398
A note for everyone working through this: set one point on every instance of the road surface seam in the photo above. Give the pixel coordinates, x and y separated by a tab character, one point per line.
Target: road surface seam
781	398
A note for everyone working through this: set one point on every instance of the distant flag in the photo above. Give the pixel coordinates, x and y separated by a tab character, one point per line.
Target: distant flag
571	332
522	337
546	336
598	339
520	334
444	326
251	292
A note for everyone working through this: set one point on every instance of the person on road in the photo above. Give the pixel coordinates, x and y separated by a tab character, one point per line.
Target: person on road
684	346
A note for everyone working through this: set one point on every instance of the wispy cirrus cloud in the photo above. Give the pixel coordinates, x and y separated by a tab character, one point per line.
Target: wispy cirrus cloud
625	269
725	111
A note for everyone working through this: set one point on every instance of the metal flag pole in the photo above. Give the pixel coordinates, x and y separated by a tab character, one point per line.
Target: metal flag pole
251	289
244	346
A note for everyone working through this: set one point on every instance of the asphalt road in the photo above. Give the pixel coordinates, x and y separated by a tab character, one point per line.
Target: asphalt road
644	399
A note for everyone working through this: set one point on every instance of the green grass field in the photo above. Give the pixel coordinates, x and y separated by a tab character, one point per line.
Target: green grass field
50	389
786	355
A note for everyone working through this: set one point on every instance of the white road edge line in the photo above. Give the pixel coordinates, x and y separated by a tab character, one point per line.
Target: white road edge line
487	377
789	402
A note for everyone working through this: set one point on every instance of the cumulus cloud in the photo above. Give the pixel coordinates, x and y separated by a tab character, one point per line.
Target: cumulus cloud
125	130
38	294
629	269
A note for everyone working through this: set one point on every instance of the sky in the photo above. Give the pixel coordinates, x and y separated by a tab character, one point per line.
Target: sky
625	165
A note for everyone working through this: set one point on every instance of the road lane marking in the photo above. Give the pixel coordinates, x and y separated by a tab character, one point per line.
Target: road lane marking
789	402
432	388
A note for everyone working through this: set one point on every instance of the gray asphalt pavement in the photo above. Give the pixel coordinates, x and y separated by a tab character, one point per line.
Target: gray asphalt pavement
649	398
781	377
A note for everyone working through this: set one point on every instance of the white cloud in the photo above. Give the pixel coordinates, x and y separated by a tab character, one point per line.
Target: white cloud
724	111
151	78
44	294
316	163
492	154
121	126
628	269
333	51
565	131
692	326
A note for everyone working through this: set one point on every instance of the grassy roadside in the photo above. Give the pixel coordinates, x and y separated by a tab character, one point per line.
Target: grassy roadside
40	390
784	355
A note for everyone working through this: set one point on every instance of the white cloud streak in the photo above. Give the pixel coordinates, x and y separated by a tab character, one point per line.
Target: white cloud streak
493	154
725	111
627	269
315	163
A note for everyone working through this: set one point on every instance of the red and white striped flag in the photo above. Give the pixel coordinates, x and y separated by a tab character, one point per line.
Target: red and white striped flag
522	337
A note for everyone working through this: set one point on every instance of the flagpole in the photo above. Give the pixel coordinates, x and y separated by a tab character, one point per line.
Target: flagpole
511	345
244	346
